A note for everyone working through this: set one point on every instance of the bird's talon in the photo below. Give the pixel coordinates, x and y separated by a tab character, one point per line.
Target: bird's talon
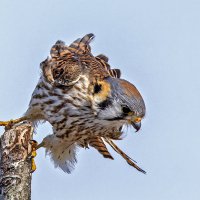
34	145
33	154
33	165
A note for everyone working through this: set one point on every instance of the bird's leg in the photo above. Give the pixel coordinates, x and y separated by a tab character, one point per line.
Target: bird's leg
8	124
33	154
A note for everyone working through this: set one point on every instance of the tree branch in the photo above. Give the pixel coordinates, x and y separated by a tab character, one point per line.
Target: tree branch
15	163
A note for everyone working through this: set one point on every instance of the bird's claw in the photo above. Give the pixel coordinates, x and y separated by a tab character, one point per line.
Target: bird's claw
33	154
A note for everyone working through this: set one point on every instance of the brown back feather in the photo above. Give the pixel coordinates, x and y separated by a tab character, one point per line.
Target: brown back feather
67	59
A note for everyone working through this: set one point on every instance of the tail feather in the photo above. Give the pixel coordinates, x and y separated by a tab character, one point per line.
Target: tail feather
82	45
129	160
102	57
104	62
74	46
59	49
115	73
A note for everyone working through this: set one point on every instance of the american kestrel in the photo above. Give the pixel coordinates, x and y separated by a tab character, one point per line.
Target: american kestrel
85	101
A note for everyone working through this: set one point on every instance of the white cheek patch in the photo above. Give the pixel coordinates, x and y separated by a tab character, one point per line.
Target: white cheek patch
112	111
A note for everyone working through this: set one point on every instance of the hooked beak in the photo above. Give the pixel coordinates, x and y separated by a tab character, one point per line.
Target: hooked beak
136	123
137	126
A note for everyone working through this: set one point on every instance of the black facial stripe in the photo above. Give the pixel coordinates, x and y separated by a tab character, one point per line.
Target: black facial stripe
116	118
103	105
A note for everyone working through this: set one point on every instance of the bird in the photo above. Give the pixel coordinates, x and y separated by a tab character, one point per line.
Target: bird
86	102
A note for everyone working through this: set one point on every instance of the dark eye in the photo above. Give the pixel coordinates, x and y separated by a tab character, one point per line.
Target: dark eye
126	109
97	88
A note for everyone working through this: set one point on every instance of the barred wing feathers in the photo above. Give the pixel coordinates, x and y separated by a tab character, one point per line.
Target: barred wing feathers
129	160
98	144
65	64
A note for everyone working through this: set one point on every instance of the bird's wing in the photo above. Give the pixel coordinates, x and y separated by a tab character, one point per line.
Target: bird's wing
129	160
98	144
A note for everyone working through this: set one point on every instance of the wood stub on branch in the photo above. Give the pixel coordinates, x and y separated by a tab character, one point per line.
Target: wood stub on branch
15	163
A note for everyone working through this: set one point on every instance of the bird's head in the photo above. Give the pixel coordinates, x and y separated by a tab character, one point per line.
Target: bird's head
118	100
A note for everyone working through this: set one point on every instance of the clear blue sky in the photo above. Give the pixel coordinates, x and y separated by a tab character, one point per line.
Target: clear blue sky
156	44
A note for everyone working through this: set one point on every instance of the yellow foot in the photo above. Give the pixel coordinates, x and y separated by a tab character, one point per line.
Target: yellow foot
10	123
33	165
34	147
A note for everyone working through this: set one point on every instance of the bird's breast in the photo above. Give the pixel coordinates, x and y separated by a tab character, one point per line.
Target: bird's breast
70	111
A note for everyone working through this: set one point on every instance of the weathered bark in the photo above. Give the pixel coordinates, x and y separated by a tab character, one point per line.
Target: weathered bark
15	163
